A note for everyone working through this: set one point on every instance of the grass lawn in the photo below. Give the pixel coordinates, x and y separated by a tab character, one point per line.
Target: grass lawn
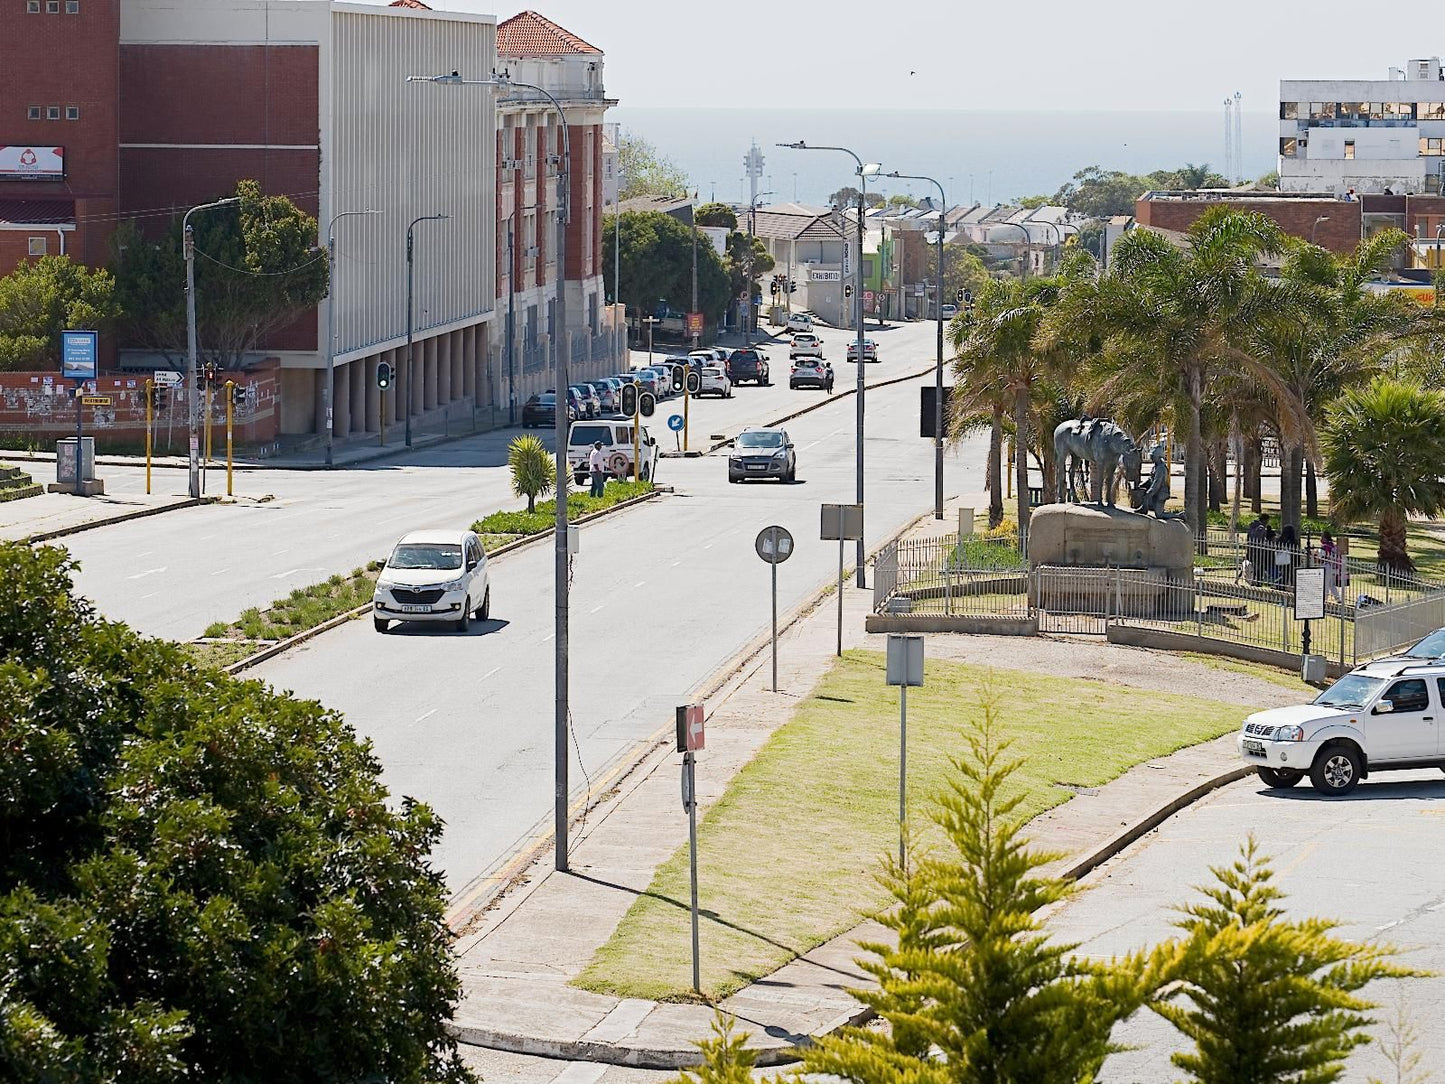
304	608
1285	679
789	853
523	523
220	654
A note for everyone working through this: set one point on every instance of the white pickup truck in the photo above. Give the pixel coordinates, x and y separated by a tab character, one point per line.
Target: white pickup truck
616	438
1385	715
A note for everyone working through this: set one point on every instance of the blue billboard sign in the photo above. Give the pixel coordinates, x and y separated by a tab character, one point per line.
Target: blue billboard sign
79	351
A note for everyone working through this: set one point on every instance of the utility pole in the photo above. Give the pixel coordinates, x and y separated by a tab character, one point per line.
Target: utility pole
193	398
330	389
511	328
697	332
753	169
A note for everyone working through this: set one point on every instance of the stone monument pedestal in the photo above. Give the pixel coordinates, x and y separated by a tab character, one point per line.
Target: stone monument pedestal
1084	543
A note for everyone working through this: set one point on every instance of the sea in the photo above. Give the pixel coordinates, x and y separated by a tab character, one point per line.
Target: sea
980	156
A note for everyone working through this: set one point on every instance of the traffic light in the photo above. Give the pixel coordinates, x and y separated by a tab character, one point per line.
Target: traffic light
847	289
774	289
958	297
694	383
238	394
792	286
646	404
679	378
629	400
383	375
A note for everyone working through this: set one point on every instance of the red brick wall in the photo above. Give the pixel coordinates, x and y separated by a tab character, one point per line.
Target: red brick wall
1295	216
584	229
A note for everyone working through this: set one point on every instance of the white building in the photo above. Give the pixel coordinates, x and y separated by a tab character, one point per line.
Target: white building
1366	134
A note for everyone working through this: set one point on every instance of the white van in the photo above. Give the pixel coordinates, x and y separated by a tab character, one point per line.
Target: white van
616	437
800	321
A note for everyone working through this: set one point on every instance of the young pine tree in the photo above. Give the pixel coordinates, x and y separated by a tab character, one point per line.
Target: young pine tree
1265	999
725	1058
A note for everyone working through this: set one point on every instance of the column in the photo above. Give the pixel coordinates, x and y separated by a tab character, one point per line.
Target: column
416	377
471	358
444	368
459	368
428	354
341	398
357	370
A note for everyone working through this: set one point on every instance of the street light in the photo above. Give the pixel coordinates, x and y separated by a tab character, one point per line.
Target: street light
863	172
1028	240
331	321
194	406
405	389
561	557
938	366
1314	230
747	313
1058	237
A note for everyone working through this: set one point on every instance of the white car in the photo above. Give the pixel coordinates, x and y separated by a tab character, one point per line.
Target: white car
433	576
950	310
715	382
799	321
870	350
616	438
805	345
1382	716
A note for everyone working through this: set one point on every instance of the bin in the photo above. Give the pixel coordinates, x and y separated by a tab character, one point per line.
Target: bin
65	460
1312	669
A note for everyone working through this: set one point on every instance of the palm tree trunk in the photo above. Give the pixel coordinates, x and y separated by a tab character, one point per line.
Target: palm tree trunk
1050	471
1312	491
531	503
1256	474
1194	472
1021	462
1239	458
1393	552
1215	463
994	469
1291	462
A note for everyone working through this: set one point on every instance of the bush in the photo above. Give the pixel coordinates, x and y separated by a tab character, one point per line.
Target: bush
543	519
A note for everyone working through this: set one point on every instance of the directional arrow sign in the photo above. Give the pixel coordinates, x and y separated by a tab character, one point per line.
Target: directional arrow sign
689	728
167	378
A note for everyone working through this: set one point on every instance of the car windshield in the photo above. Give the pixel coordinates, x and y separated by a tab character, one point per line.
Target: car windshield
1432	647
1351	691
547	400
762	439
430	555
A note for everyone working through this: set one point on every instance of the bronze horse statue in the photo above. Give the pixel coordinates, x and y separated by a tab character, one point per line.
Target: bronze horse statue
1103	446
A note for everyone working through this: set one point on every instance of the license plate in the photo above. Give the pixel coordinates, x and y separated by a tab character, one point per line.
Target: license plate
757	466
409	609
1254	748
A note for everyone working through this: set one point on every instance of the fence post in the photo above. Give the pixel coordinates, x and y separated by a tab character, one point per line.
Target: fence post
1283	627
1342	634
948	586
1199	606
1118	593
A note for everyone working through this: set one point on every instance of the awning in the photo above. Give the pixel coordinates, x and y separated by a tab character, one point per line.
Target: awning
36	212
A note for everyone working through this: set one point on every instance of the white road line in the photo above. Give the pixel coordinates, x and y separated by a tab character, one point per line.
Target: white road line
548	637
596	608
147	572
639	583
428	715
675	564
490	672
288	572
220	572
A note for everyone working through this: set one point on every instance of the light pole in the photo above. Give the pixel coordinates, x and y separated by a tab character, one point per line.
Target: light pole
405	389
331	321
561	562
194	404
1058	238
864	171
747	313
1439	237
1314	230
651	322
697	334
1028	240
938	367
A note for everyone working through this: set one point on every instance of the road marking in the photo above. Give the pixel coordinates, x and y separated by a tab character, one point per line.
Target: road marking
581	1072
490	672
147	572
220	572
428	715
675	564
548	637
639	583
596	608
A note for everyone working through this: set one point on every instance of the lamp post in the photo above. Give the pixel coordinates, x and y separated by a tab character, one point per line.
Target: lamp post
864	171
1439	237
564	193
193	411
405	389
1028	240
1058	238
747	313
938	366
330	389
1315	229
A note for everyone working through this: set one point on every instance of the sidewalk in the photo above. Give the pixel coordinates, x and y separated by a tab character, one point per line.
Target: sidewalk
54	515
516	959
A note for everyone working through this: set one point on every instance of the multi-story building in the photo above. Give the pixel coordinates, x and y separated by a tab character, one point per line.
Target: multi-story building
1371	135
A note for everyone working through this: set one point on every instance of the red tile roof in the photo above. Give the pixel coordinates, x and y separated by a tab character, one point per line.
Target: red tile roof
530	34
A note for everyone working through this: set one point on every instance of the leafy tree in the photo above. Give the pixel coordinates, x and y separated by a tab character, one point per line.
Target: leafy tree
258	269
200	879
645	171
1100	193
1269	180
1265	999
716	214
656	265
747	258
1384	447
973	991
1032	202
961	270
42	298
902	199
534	472
847	196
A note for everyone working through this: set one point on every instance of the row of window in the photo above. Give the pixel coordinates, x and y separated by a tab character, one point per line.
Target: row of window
52	7
1430	147
52	112
1362	111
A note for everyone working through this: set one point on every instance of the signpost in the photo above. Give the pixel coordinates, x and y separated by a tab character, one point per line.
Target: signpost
166	378
690	734
904	668
774	545
1309	605
79	361
845	523
676	422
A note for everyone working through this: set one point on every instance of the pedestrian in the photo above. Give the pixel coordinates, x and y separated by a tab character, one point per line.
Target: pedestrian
828	377
1271	551
1331	559
1286	555
1254	546
597	462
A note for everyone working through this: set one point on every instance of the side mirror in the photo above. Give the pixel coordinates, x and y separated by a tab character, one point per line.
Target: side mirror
1384	707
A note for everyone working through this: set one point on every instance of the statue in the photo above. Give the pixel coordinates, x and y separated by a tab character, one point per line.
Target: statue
1153	495
1102	445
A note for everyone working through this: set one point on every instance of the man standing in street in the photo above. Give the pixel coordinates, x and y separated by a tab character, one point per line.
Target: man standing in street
597	463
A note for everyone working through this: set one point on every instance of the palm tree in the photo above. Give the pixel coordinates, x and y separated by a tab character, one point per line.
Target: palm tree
1384	449
980	402
534	474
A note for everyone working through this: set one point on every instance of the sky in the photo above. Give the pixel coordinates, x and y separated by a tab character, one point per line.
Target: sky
1048	55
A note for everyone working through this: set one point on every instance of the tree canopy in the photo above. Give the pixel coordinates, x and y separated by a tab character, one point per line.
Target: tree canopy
847	196
645	171
656	265
1101	193
200	879
42	298
716	214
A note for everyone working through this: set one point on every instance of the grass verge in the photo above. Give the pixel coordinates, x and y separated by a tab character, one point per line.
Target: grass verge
507	526
1285	679
788	855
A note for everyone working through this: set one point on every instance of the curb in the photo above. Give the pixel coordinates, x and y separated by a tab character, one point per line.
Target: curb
280	646
675	1059
124	517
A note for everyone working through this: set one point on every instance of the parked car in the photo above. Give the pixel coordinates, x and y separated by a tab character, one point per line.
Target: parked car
870	350
748	364
808	373
616	438
762	453
541	410
663	369
701	359
1381	716
648	379
800	321
715	382
591	403
605	395
433	576
950	311
805	345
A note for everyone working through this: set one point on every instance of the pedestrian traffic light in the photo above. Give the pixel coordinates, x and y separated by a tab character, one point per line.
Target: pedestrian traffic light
968	297
694	383
848	289
629	400
383	375
679	378
958	297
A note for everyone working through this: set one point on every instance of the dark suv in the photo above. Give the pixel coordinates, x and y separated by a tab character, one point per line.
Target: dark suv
748	364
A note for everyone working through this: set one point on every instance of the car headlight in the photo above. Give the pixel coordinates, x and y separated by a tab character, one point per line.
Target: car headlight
1289	733
781	453
384	585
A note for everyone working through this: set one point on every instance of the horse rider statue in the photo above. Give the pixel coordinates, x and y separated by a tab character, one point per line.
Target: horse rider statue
1153	495
1103	446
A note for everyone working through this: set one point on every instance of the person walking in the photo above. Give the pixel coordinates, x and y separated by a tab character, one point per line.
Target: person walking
1333	562
597	463
1254	538
828	377
1286	556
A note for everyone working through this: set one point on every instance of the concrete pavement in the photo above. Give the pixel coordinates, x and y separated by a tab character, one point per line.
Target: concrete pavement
56	515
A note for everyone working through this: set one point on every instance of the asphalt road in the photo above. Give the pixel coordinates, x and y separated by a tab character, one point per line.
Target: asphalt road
662	595
174	574
1371	860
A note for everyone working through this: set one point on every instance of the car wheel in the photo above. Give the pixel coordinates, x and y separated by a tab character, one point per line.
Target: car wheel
1336	770
465	621
381	623
1280	778
485	610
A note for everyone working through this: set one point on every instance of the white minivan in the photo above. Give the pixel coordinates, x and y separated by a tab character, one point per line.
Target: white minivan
616	437
433	576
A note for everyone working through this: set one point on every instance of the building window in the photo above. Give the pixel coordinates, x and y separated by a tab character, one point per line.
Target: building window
1288	147
1432	146
72	112
35	112
1322	110
52	112
52	7
1430	111
1349	148
72	7
32	6
38	246
1289	110
1354	110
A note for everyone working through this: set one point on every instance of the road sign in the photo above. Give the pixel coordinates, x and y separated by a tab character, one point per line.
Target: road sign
675	423
689	728
646	404
774	544
167	378
904	668
694	323
79	351
868	297
842	521
96	400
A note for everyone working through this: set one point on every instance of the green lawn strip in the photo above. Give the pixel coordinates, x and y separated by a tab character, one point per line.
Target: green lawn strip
524	523
788	855
303	608
1285	679
220	654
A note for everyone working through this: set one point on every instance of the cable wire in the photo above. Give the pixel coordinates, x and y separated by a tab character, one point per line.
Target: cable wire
262	274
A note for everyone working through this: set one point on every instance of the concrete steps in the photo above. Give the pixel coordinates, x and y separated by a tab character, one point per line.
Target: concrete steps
16	485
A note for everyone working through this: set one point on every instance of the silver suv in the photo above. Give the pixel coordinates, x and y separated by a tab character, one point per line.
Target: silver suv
762	453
